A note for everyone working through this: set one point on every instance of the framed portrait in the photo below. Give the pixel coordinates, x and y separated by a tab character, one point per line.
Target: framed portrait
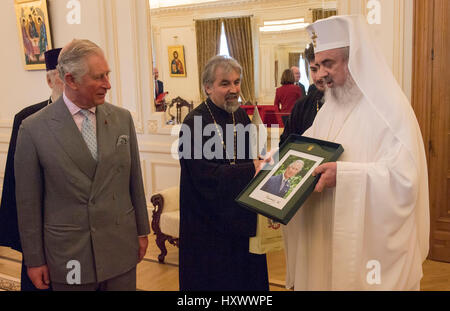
279	190
177	64
34	32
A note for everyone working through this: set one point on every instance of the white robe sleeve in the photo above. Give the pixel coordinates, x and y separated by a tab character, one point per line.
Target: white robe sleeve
375	232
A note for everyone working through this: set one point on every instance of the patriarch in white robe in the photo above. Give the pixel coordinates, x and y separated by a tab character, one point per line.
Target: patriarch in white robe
366	226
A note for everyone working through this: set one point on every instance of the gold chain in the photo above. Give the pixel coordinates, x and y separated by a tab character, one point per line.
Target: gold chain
232	162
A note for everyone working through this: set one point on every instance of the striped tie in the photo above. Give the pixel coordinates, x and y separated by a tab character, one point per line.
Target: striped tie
88	133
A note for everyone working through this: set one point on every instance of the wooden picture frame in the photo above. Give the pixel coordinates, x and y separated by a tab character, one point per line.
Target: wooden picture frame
177	64
34	32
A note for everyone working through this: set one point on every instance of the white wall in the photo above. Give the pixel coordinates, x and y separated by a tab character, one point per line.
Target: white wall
394	34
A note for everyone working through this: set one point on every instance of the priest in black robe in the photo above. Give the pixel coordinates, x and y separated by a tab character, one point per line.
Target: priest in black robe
305	109
214	229
9	230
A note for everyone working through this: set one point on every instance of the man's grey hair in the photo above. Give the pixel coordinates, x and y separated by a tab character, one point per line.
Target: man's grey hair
72	58
297	163
209	72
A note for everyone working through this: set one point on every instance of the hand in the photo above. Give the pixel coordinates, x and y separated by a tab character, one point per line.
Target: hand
39	276
258	166
268	158
328	178
143	243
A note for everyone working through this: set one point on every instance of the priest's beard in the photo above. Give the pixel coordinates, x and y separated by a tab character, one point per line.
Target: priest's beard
342	94
231	106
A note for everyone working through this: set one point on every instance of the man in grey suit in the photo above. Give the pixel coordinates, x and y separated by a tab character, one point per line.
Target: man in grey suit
81	205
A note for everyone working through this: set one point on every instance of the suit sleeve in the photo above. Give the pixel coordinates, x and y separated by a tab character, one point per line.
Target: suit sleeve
29	197
137	192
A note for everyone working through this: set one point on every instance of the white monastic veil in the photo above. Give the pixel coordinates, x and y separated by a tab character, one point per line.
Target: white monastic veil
366	62
381	91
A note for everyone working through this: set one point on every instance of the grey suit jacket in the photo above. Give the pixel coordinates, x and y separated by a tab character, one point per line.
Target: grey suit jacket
71	207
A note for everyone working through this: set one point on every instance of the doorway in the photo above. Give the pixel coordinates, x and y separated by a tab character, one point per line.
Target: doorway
431	103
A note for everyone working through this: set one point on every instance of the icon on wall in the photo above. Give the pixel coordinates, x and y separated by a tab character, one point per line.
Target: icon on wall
177	64
34	32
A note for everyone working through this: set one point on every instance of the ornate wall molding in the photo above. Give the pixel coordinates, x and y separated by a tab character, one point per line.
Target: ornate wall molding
154	165
125	14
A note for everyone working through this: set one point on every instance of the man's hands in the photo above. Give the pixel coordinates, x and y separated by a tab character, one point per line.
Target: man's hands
260	162
328	178
143	243
39	276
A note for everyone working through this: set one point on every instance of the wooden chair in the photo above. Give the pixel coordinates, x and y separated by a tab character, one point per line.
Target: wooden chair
166	219
180	103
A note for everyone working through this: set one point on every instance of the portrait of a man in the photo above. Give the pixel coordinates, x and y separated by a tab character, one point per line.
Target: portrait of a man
279	185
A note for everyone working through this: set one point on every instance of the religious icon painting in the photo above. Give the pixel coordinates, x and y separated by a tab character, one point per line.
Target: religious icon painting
281	188
177	64
34	32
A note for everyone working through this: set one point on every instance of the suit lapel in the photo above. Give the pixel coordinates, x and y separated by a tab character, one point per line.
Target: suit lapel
106	147
68	135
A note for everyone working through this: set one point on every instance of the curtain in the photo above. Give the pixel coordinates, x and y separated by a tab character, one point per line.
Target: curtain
294	59
238	32
322	13
208	44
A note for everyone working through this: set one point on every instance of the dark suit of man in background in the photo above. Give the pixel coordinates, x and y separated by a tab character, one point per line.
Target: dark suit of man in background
296	71
9	231
159	85
80	199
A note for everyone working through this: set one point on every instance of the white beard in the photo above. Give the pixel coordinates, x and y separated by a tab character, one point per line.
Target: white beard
343	94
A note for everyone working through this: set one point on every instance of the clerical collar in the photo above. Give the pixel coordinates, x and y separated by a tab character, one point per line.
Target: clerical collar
216	109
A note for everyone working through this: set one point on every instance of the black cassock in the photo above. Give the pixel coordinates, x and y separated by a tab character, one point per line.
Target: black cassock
303	113
9	228
214	230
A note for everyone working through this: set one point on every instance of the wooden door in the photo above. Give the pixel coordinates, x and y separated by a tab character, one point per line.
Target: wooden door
431	102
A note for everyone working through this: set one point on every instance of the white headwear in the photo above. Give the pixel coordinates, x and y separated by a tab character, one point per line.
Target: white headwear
324	39
374	78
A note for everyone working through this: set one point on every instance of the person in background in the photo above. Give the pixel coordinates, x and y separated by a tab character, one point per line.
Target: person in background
9	231
159	85
306	108
287	94
296	71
